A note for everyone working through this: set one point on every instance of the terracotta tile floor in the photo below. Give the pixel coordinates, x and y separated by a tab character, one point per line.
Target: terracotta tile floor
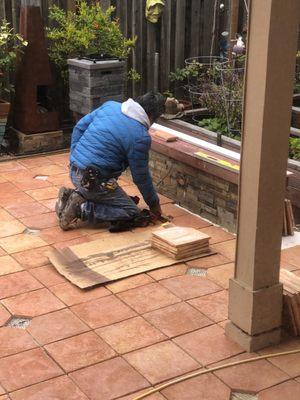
115	341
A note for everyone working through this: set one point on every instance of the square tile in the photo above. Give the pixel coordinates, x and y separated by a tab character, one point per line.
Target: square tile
71	294
47	275
172	210
33	258
49	204
56	326
177	319
102	312
289	390
13	341
148	298
12	227
189	286
290	364
208	262
214	305
221	274
41	221
291	255
130	335
17	243
205	387
44	193
252	377
191	221
227	249
61	388
51	169
4	315
80	351
155	396
129	283
19	282
8	265
60	180
55	235
8	166
26	369
29	183
109	380
161	361
34	303
8	199
5	216
217	234
26	209
208	345
168	272
72	242
34	162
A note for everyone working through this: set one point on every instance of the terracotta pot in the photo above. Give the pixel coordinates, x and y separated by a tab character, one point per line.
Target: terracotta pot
296	111
4	109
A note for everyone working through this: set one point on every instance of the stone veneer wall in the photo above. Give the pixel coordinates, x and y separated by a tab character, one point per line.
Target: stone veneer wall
198	191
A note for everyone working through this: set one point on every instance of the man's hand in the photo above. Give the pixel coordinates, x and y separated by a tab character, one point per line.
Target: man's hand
156	209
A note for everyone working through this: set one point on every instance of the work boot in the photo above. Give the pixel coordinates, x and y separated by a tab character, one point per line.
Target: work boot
72	211
63	196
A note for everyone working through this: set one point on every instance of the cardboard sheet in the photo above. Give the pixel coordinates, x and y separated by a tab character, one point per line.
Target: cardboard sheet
105	260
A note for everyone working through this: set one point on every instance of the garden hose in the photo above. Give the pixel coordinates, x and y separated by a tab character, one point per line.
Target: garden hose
202	372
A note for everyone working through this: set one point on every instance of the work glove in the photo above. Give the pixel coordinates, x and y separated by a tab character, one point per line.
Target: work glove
156	209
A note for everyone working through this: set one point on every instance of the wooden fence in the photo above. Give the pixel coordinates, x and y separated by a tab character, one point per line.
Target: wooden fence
187	28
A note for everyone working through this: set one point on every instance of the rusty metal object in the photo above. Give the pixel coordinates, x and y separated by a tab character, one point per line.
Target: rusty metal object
32	112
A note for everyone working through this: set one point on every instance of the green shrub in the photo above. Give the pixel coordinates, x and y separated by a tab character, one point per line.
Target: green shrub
89	31
294	151
11	45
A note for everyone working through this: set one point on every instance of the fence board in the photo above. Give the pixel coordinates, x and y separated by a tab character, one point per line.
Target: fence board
165	53
180	33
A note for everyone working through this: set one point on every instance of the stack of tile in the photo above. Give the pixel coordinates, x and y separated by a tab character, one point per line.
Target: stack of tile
180	242
291	301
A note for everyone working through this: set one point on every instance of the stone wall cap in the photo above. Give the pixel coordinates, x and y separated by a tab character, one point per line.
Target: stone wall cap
106	64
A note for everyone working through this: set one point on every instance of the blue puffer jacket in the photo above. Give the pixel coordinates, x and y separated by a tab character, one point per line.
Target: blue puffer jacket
112	141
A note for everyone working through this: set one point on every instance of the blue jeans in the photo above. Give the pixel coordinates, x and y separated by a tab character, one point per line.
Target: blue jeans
104	204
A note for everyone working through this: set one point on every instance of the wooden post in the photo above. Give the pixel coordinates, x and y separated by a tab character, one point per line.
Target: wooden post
255	294
234	20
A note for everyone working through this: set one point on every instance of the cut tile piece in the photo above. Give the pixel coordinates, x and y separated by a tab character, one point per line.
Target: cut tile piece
17	283
130	335
208	262
34	303
252	377
289	390
189	286
148	298
161	361
9	228
80	351
44	193
168	272
26	369
33	258
290	363
4	315
22	242
221	274
26	209
13	341
103	311
191	221
129	283
61	388
41	221
214	305
72	295
8	265
109	380
177	319
227	249
47	275
56	326
206	387
208	345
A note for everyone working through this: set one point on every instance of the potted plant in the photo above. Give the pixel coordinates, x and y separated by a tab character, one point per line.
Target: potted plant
11	44
90	51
